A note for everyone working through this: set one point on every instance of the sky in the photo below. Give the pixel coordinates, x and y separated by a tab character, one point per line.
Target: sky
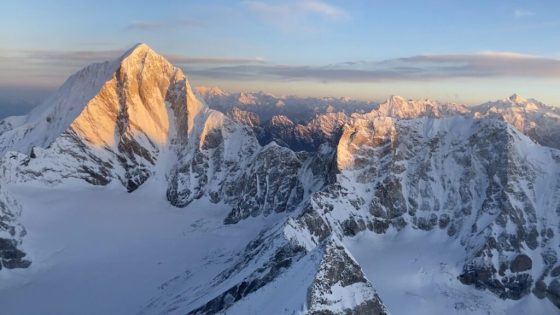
454	51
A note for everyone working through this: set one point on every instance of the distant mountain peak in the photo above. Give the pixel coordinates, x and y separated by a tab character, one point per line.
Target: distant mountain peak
138	49
516	98
515	102
396	98
210	90
398	106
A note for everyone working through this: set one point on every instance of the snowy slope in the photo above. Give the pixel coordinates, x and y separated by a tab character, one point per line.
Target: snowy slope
46	122
416	273
106	251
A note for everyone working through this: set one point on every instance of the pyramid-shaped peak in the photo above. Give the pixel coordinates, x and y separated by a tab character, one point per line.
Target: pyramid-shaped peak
140	85
138	49
396	98
516	98
140	46
211	90
139	53
399	100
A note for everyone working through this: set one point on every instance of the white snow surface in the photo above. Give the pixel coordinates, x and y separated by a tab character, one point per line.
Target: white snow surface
105	251
415	272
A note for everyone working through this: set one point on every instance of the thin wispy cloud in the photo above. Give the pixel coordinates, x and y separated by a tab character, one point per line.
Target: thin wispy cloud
519	13
322	8
296	16
415	68
71	58
185	60
48	67
152	26
296	7
145	26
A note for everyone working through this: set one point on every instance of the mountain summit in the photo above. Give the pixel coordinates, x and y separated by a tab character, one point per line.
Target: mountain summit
107	103
516	98
122	112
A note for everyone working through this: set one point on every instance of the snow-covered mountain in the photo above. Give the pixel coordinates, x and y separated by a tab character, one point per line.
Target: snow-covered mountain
398	107
108	121
127	181
266	105
533	118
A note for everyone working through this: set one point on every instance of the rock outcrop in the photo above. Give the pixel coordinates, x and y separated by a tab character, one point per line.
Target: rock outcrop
11	234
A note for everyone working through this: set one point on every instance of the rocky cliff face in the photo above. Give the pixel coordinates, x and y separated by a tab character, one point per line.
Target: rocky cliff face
404	165
11	234
481	181
305	136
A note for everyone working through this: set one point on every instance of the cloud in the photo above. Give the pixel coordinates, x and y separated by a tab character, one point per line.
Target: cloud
77	57
296	7
322	8
153	26
415	68
51	67
185	60
518	13
145	26
295	16
487	64
68	58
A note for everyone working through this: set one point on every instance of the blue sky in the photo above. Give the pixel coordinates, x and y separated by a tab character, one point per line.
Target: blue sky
462	51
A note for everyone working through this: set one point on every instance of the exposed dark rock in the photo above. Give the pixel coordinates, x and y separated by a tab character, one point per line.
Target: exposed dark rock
305	136
540	289
351	227
553	292
521	263
339	269
443	221
555	272
484	277
271	185
10	256
315	224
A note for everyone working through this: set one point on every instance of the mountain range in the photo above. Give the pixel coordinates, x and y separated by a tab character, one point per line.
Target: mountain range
130	192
